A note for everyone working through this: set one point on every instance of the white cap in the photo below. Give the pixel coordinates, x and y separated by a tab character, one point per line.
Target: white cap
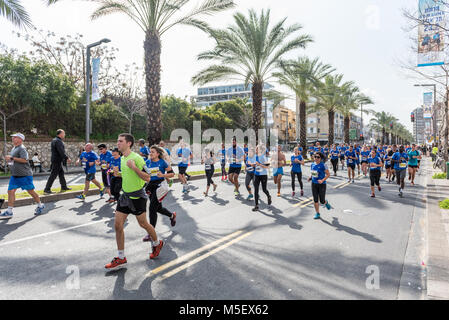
19	135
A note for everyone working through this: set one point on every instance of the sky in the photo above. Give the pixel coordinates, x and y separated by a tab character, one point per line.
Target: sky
361	39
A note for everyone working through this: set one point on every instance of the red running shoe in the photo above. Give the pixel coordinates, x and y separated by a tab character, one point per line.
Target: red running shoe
173	220
157	250
116	263
379	188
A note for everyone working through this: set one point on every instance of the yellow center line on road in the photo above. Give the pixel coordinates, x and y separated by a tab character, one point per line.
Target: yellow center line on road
191	254
307	203
301	202
204	256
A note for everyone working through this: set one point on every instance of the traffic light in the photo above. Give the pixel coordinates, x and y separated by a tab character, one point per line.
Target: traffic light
391	125
413	117
361	136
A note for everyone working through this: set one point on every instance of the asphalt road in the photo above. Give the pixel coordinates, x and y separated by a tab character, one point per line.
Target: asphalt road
362	249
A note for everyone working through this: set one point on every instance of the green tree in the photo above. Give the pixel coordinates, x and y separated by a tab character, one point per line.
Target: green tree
250	50
381	122
13	11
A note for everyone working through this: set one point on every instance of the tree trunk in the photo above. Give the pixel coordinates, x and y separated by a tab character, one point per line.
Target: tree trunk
303	127
152	48
257	108
383	136
347	123
331	118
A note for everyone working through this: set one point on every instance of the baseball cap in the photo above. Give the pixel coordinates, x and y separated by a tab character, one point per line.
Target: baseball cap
19	135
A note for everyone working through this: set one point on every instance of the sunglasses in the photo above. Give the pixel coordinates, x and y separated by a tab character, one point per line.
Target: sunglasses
317	157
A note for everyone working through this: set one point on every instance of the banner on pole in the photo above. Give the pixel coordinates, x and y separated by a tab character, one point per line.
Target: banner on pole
95	72
431	33
427	105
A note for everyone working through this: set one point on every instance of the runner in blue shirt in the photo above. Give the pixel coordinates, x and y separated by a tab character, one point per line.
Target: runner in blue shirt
413	156
183	162
335	155
235	156
350	162
388	167
114	177
375	164
162	145
296	161
105	158
224	174
400	159
261	176
158	167
88	160
319	175
342	150
144	151
250	165
365	153
357	160
311	152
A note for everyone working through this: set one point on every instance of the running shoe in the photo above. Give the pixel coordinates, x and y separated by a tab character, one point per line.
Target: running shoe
373	195
250	197
236	193
173	220
6	215
279	194
81	197
110	200
256	208
157	250
293	193
379	188
102	193
353	181
147	238
205	194
302	193
215	187
116	263
39	210
269	200
317	216
328	206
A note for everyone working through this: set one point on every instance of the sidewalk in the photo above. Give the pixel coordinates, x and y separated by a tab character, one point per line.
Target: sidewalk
437	236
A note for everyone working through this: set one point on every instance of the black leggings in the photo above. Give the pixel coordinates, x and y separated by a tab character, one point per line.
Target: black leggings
155	205
223	170
335	164
116	186
374	176
319	192
249	177
257	181
299	175
209	175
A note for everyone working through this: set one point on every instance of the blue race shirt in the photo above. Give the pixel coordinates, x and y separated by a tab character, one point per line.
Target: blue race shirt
183	157
350	154
375	160
235	157
223	156
259	170
387	160
90	157
145	151
105	159
318	172
116	163
316	149
154	167
168	151
413	161
250	160
335	154
365	155
400	161
296	167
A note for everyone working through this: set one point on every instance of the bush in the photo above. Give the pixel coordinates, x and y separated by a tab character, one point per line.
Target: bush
444	204
439	176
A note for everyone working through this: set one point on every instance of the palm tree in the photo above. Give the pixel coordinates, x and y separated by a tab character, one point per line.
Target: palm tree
13	11
330	96
155	17
381	122
351	100
303	77
250	50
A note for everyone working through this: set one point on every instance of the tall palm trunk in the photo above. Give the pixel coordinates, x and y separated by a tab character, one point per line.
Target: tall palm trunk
303	127
152	47
257	108
347	123
383	136
331	118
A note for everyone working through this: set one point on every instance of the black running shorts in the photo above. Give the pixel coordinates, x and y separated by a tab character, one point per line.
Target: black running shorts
140	206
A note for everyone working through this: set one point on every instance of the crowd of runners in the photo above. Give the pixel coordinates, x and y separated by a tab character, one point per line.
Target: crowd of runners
131	179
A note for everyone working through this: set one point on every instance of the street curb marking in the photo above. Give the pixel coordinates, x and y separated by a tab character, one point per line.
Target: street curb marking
191	254
204	256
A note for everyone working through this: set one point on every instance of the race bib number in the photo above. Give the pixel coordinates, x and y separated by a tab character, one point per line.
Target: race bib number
234	159
314	173
249	169
349	160
402	165
154	172
363	158
84	164
208	167
104	166
259	169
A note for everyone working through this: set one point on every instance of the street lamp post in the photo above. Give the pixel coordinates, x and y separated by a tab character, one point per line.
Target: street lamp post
88	126
434	120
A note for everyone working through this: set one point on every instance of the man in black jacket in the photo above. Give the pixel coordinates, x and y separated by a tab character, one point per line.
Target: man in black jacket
58	156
